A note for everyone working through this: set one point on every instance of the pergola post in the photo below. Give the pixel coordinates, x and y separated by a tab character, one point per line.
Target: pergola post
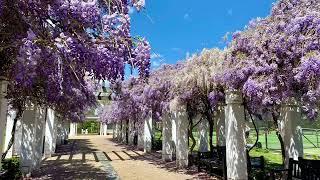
131	132
148	131
114	127
124	132
220	117
3	111
203	132
33	123
174	134
180	117
10	120
167	137
290	130
50	133
105	129
236	156
140	136
73	129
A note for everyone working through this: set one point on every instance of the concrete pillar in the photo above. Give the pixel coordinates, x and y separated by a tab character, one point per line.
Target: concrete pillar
174	134
105	129
59	133
50	134
203	132
65	130
131	132
73	129
236	157
148	131
182	148
16	150
33	123
141	136
114	130
10	120
101	129
3	111
124	132
220	128
290	130
167	148
119	131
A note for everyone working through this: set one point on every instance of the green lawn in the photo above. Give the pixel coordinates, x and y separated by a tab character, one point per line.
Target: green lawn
273	142
272	154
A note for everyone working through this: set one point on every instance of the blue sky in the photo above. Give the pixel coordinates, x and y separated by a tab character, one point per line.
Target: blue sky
178	28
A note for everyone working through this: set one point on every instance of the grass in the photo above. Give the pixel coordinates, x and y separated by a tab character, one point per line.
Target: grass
272	155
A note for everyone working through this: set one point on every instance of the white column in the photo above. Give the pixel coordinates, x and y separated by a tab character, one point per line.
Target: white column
220	117
203	130
174	134
73	129
141	136
148	130
33	122
65	131
290	130
124	132
105	129
3	111
101	129
236	156
114	127
167	148
10	120
131	132
180	120
59	132
17	139
50	134
182	148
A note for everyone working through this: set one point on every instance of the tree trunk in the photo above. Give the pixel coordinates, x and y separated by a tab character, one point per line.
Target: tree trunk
16	119
275	122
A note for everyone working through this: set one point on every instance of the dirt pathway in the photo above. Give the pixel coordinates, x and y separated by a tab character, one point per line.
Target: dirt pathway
98	157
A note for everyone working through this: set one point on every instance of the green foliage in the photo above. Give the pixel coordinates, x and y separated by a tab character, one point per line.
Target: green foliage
12	166
92	126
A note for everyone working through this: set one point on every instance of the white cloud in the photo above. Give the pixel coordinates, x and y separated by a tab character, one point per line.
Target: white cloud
187	17
131	10
230	12
156	60
156	56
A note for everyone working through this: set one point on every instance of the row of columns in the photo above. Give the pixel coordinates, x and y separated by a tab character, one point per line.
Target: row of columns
36	134
230	127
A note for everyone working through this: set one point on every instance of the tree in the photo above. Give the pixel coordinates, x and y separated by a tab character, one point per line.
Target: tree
59	48
276	59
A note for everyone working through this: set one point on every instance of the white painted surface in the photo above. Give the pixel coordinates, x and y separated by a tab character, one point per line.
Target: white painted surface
3	112
50	134
33	123
290	130
180	118
220	116
203	131
148	130
141	136
236	157
124	132
9	125
17	139
131	132
167	148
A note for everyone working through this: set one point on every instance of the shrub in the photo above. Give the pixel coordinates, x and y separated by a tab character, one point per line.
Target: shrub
12	166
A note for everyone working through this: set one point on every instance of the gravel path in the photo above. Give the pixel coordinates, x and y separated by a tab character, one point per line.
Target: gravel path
98	157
